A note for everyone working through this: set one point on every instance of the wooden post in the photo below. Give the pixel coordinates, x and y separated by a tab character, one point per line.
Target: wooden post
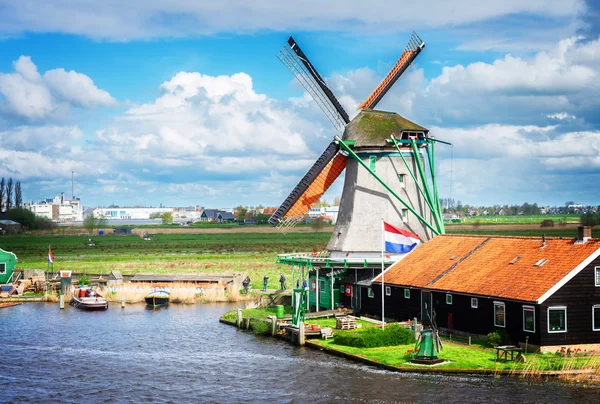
415	327
62	301
122	296
469	340
317	296
239	318
273	325
301	334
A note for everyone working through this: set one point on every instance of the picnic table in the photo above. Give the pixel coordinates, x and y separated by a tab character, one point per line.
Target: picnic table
503	351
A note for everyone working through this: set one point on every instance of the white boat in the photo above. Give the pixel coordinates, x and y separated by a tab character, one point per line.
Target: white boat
88	299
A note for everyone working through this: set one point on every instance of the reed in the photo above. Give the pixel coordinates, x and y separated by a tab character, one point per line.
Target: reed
181	292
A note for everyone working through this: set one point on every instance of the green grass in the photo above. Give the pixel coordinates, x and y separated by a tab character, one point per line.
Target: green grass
249	253
463	357
258	313
519	219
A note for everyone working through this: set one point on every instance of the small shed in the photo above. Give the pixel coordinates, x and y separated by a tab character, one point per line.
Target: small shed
115	278
9	227
328	281
8	261
123	230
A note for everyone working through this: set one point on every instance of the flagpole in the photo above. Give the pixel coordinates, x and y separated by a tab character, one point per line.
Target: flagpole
382	281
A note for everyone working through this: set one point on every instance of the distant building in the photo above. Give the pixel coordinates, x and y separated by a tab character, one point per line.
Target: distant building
329	213
215	215
58	209
129	213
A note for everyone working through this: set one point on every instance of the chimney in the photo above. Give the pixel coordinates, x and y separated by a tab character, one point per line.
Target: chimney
62	198
584	233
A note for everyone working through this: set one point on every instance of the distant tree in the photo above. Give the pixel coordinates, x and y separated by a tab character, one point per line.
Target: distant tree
589	219
261	218
9	195
317	223
569	203
2	191
239	212
155	215
92	223
336	201
23	216
167	217
18	195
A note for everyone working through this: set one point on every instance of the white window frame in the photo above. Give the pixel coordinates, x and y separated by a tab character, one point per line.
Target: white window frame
548	315
3	268
405	215
388	290
370	293
500	304
322	286
476	301
407	293
531	309
596	306
448	301
596	278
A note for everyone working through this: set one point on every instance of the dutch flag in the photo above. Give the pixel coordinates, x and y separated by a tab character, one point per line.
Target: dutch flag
50	257
397	240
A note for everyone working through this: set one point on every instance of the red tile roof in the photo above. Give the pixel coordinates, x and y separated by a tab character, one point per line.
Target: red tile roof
480	265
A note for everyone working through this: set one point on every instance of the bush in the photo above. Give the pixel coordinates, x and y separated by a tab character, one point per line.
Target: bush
392	335
83	280
260	327
547	223
498	337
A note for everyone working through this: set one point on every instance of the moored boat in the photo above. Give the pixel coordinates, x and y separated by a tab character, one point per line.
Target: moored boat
88	299
158	298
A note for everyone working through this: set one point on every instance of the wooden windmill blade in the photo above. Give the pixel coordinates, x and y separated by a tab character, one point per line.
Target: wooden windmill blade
413	48
292	56
312	186
332	162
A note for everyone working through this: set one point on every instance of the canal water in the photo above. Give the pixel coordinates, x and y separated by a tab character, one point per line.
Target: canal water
183	354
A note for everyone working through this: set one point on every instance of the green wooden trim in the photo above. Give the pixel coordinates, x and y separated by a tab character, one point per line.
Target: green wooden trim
420	166
431	158
410	171
386	186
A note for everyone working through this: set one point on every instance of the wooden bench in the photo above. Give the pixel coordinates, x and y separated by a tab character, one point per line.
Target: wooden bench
326	332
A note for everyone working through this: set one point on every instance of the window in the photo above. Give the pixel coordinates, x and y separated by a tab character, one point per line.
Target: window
557	319
597	271
322	285
596	318
370	292
529	318
499	314
448	299
372	161
407	293
388	291
343	288
405	215
474	303
2	268
402	179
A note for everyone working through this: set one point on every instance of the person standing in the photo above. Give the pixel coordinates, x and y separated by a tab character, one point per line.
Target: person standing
282	281
246	284
265	283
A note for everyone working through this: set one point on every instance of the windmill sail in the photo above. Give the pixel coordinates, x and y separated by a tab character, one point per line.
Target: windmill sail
311	187
413	48
297	62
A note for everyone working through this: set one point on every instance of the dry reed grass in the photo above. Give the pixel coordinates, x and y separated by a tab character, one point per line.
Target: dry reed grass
181	292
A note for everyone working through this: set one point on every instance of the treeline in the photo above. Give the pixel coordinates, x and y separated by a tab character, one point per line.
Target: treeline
11	207
10	195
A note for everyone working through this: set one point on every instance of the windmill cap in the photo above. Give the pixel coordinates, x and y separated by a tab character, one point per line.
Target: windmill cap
372	128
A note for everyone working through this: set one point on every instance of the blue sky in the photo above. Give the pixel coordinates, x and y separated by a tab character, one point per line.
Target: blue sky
184	102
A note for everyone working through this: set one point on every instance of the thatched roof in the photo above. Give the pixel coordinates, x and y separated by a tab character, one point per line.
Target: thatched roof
371	128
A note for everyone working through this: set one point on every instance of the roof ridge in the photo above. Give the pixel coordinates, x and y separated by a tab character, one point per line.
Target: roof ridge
459	261
517	237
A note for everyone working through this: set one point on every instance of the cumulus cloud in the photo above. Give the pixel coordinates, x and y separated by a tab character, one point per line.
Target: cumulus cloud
28	94
161	18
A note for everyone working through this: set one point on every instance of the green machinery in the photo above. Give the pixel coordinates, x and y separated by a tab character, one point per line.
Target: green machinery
299	303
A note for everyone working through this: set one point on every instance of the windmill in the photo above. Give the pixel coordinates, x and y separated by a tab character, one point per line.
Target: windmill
382	153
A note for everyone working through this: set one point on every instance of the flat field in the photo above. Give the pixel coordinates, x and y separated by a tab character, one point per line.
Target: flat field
251	253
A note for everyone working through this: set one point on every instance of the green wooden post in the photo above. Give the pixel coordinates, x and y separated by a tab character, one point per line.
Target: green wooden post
421	168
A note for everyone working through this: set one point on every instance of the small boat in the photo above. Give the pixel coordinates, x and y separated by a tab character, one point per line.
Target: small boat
158	298
88	299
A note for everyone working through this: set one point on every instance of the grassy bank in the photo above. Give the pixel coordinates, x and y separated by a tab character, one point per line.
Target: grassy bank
464	358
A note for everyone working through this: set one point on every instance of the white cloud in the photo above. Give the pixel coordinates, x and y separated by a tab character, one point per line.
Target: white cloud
561	116
161	18
28	94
